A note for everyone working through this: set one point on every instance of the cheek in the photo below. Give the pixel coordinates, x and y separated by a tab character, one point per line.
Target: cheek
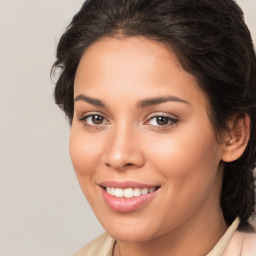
189	165
86	156
188	156
84	152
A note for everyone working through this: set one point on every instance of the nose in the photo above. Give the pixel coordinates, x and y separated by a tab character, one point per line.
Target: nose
123	150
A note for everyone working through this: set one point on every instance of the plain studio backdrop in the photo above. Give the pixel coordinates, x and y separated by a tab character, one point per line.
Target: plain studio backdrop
42	210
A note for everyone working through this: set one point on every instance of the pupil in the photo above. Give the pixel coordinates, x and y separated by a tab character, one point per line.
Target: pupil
162	120
97	119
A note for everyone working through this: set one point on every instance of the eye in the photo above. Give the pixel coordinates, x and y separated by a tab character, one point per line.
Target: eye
94	120
162	121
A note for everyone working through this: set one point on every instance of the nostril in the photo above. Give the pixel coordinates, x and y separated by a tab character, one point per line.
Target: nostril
128	164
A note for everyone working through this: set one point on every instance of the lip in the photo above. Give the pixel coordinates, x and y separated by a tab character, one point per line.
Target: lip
125	205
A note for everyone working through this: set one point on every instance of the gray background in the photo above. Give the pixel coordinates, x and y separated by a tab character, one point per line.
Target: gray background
42	210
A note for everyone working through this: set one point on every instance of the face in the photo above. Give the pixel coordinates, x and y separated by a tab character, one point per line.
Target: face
142	144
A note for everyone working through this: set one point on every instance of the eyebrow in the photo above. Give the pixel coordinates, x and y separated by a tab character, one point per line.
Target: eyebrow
93	101
141	104
158	100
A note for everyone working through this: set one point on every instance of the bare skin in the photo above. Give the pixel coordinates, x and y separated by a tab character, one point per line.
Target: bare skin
120	134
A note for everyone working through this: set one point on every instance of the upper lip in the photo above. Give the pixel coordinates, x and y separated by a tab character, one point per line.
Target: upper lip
126	184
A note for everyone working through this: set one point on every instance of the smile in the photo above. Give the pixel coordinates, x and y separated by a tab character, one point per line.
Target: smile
129	192
127	196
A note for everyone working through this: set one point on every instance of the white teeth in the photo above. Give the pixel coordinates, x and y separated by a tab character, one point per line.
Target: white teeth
112	191
129	192
144	191
151	190
136	192
119	192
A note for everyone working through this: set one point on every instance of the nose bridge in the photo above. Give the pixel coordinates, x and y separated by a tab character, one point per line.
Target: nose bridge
122	150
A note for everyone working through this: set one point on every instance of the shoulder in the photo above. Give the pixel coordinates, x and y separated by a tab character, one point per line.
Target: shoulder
242	243
249	245
100	246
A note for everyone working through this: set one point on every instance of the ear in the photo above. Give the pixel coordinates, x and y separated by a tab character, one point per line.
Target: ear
236	140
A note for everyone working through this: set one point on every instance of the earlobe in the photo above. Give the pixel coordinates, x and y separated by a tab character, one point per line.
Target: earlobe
237	139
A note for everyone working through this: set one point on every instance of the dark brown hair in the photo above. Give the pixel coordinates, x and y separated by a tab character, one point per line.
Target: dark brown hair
212	43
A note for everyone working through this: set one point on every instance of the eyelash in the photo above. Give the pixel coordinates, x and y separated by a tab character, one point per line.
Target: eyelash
171	121
84	119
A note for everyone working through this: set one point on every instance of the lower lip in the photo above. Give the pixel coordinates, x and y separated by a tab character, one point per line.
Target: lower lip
121	204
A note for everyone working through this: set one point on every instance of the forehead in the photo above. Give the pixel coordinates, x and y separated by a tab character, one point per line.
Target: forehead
134	66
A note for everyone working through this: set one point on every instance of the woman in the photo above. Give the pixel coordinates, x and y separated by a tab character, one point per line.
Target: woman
161	98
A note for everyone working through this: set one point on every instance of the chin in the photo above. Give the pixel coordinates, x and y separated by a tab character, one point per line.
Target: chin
130	235
130	230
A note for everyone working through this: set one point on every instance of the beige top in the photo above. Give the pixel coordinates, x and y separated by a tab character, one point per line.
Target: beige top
232	243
